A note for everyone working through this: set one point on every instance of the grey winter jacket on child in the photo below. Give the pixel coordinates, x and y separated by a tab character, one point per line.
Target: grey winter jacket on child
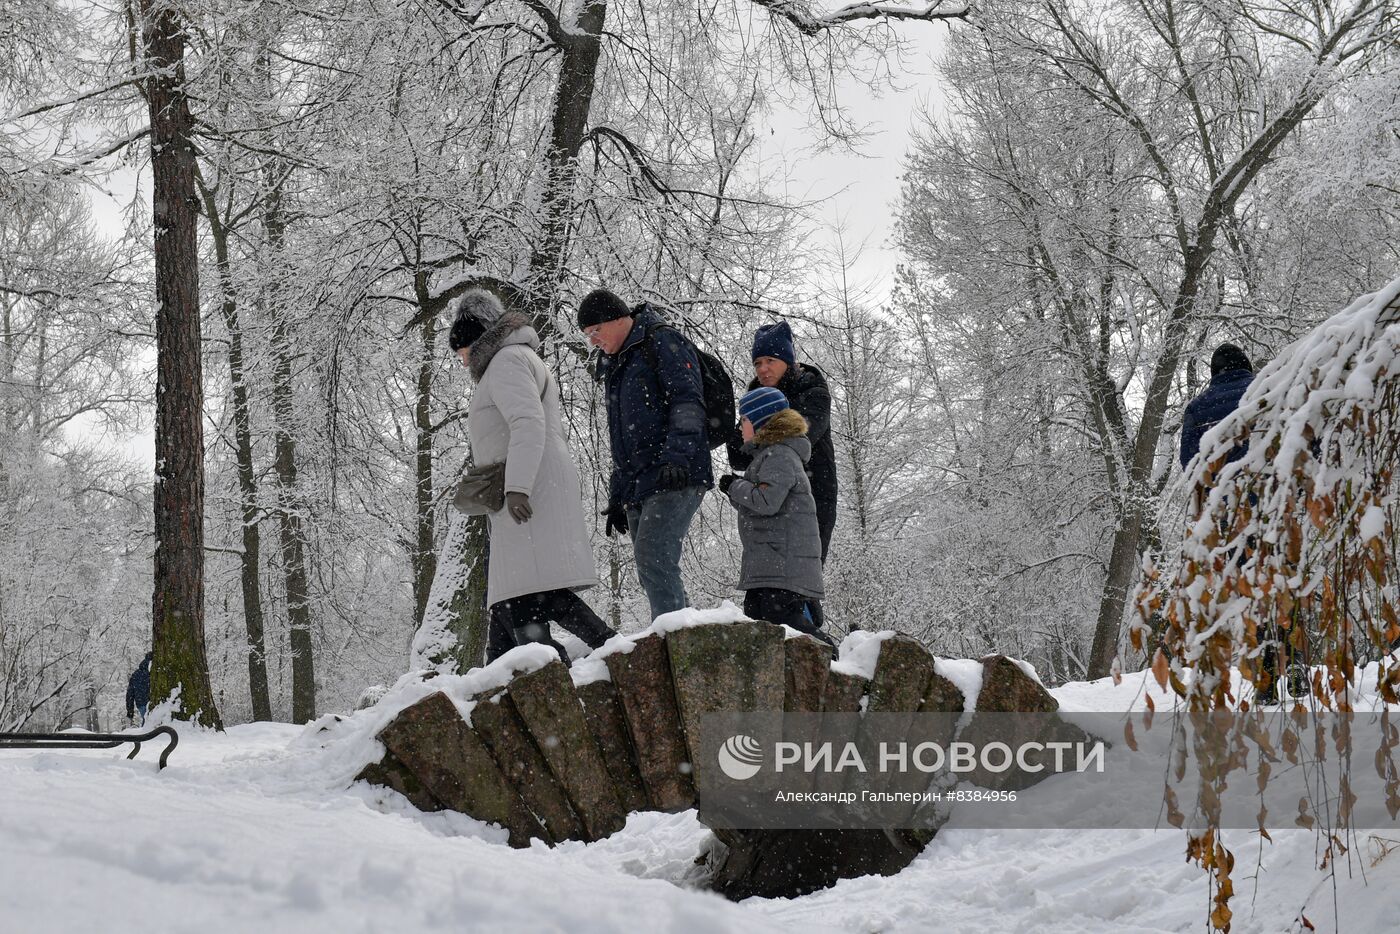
777	514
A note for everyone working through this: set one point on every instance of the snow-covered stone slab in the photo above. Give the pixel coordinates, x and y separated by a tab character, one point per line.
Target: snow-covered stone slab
496	720
603	711
551	711
902	672
729	668
433	741
1006	689
642	675
843	692
393	774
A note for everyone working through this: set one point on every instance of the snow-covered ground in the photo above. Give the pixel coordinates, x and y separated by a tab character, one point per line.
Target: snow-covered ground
249	831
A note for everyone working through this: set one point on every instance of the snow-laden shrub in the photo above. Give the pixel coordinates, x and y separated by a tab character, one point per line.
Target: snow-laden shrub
1296	540
1300	533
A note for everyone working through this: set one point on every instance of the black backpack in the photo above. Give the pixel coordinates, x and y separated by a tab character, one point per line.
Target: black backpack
718	388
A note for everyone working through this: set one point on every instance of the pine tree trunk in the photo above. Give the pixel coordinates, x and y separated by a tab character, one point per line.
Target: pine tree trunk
178	600
291	531
250	561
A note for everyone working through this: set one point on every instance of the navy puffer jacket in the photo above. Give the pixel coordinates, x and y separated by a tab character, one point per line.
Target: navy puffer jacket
1220	398
656	415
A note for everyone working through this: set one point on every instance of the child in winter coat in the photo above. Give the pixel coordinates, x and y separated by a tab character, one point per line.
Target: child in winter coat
782	565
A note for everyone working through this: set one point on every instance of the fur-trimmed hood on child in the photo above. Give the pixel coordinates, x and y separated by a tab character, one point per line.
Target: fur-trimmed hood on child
786	426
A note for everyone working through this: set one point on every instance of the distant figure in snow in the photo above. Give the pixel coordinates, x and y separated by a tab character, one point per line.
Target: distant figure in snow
541	555
781	571
1230	375
138	690
658	434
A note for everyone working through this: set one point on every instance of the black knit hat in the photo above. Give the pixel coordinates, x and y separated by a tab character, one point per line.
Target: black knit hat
476	311
601	305
1228	357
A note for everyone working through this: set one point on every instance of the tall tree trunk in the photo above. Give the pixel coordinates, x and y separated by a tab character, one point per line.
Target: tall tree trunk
1124	557
178	600
424	558
250	561
291	530
573	100
453	632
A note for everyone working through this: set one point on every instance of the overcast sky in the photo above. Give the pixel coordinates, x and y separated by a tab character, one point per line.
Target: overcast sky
861	188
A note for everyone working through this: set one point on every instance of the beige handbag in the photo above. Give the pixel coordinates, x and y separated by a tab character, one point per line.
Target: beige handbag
481	490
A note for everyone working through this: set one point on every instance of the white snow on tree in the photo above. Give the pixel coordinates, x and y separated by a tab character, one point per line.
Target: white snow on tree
1299	533
441	643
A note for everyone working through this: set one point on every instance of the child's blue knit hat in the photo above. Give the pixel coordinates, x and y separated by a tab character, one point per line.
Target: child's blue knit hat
759	405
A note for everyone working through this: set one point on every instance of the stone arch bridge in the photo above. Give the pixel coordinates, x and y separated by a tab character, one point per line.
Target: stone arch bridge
559	754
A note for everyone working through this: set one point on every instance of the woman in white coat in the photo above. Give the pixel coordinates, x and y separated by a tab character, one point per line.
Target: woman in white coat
540	552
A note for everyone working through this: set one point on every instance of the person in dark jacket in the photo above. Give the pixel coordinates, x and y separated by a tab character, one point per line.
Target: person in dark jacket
1230	375
138	690
781	574
656	430
775	365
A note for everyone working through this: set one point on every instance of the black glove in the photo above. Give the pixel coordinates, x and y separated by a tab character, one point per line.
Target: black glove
617	521
518	505
725	481
672	477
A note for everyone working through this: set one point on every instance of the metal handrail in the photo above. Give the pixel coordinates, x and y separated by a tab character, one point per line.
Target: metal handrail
84	740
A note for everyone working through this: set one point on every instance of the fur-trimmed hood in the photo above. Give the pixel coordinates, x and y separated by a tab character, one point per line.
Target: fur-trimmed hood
786	424
504	331
786	427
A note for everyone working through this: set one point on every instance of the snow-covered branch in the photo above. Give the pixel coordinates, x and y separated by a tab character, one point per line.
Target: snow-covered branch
811	23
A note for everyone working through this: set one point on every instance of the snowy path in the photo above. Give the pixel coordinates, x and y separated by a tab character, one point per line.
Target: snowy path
204	847
247	832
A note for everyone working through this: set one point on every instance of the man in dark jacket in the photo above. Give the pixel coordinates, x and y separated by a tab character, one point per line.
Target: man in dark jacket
138	690
775	365
1230	375
656	429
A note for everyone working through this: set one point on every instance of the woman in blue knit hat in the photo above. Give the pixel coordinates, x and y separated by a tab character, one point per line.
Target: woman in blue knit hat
781	572
775	365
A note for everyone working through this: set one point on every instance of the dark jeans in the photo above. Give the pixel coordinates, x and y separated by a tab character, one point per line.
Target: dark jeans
526	619
659	527
785	608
